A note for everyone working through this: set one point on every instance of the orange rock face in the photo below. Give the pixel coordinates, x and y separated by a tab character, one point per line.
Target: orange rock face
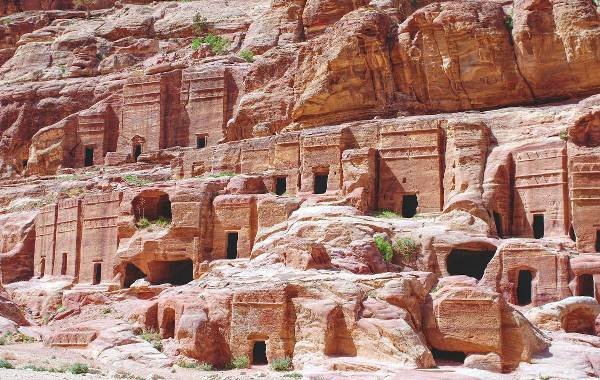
355	188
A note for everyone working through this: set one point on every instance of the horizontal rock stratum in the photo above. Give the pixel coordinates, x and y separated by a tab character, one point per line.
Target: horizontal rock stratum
307	189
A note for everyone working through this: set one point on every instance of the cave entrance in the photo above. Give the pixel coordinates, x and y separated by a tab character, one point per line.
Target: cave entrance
63	264
232	245
524	287
409	205
259	352
132	274
585	285
469	263
177	272
538	226
97	273
152	206
89	156
280	185
320	185
448	357
498	222
137	151
167	326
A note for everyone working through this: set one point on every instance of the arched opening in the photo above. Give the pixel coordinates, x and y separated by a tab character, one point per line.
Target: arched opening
259	352
137	151
178	272
524	287
468	262
572	233
97	273
280	185
538	226
448	357
132	274
63	264
320	183
232	245
498	222
409	205
585	285
338	340
152	205
167	326
581	320
42	267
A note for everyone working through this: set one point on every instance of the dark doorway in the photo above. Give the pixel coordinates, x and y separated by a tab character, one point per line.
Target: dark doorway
524	287
63	264
200	142
498	222
167	325
24	163
280	185
132	274
572	233
97	273
89	156
137	151
320	185
538	226
409	205
448	357
468	263
598	241
259	352
43	267
178	272
585	285
232	248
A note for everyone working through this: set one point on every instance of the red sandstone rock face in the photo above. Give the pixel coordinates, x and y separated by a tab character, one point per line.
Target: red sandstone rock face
358	195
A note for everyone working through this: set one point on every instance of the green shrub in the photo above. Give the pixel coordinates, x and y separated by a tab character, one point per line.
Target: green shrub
220	174
162	222
106	310
143	223
63	69
217	44
406	247
282	365
36	368
239	362
388	214
157	344
564	135
78	368
205	367
150	335
183	363
293	375
2	340
5	364
384	246
200	25
134	180
247	55
508	21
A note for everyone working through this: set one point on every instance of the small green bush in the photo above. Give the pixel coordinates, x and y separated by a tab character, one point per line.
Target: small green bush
143	223
150	335
247	55
406	247
5	364
157	344
508	21
220	174
293	375
564	135
183	363
2	340
282	365
161	222
384	246
388	214
217	44
205	367
36	368
239	362
78	368
134	180
106	310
